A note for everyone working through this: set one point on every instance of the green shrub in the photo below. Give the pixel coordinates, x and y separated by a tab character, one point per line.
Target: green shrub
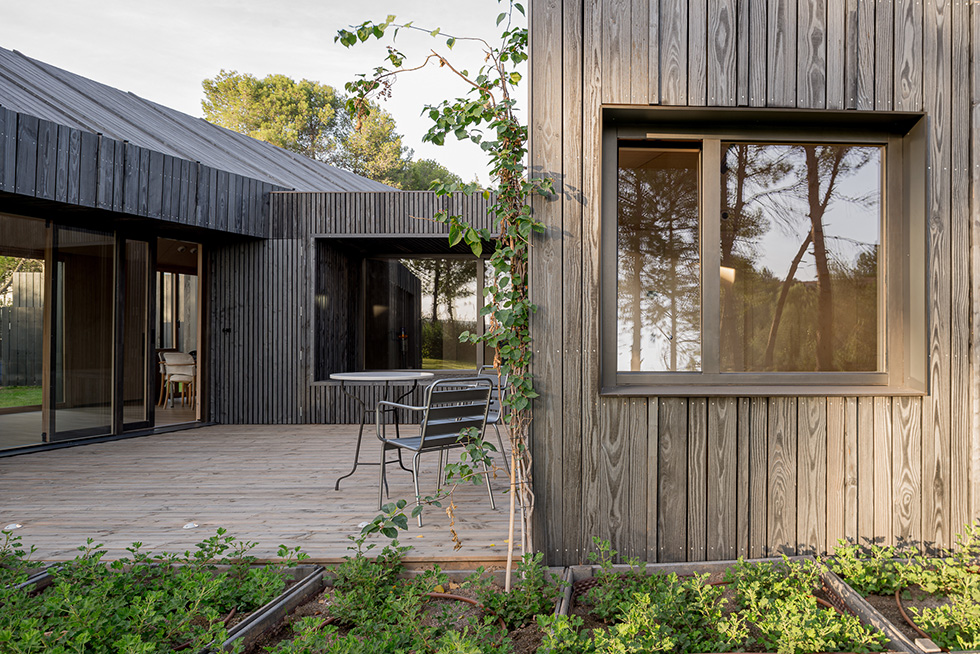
384	613
952	626
563	635
874	570
141	603
870	570
534	592
777	597
15	562
665	613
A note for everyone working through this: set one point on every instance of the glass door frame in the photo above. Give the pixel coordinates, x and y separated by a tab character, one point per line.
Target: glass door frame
49	432
119	423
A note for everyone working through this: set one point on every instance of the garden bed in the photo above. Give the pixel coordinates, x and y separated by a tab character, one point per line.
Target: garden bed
212	598
758	605
372	604
931	603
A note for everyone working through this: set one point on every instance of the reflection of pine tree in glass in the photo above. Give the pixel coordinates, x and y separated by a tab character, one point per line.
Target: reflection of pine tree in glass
659	261
742	223
445	282
810	323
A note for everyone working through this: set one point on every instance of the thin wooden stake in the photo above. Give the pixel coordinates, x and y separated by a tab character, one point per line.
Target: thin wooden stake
510	525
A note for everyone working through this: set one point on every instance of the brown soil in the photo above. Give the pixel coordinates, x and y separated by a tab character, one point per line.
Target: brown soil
913	598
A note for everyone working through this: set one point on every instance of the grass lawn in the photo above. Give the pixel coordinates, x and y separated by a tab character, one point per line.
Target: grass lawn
447	364
19	396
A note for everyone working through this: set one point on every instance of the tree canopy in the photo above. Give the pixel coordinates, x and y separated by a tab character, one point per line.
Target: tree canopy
313	119
296	116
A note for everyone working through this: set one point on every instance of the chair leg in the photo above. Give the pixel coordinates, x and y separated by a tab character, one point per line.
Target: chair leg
489	490
503	453
415	474
441	471
382	482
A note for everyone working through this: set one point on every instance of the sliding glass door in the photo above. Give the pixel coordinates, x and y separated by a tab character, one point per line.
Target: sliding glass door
176	315
81	338
87	318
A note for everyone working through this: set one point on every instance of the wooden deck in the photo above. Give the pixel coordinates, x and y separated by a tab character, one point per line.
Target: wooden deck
270	484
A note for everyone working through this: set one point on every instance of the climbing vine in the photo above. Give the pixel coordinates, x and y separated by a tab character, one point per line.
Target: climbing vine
486	116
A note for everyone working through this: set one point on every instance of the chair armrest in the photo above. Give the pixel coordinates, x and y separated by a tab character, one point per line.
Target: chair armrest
379	414
396	405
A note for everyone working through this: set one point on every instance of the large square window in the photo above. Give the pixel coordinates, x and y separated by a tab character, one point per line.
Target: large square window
394	304
758	259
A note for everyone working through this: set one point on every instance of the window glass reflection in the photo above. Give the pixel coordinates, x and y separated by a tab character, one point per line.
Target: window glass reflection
83	341
22	252
415	311
659	261
800	242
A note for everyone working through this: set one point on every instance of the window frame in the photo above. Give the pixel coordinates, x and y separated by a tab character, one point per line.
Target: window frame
904	311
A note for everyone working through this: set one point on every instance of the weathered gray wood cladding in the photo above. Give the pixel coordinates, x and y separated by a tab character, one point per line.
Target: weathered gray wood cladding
263	331
695	478
47	161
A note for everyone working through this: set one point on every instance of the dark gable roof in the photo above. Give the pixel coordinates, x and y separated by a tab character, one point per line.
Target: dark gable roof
33	87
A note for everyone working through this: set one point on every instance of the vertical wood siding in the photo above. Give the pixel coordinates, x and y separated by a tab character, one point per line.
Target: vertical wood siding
670	479
48	161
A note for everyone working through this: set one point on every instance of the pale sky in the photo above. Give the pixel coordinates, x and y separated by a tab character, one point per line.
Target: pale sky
162	50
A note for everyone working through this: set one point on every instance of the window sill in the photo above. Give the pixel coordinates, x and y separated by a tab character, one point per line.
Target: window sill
743	390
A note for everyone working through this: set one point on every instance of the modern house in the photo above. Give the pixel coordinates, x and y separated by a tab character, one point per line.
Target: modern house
756	288
135	230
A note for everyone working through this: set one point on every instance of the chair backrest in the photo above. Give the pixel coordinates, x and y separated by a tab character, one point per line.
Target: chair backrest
452	405
179	363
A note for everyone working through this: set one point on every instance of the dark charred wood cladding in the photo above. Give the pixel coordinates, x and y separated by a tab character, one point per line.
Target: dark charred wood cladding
280	322
43	160
393	215
669	478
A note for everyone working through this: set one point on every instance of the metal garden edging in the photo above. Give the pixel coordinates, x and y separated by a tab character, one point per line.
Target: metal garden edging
868	614
309	582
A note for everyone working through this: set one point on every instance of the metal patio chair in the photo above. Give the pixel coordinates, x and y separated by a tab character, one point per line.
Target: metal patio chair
451	405
496	412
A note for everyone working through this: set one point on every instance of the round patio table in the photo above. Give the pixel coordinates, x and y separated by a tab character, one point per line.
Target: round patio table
388	377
